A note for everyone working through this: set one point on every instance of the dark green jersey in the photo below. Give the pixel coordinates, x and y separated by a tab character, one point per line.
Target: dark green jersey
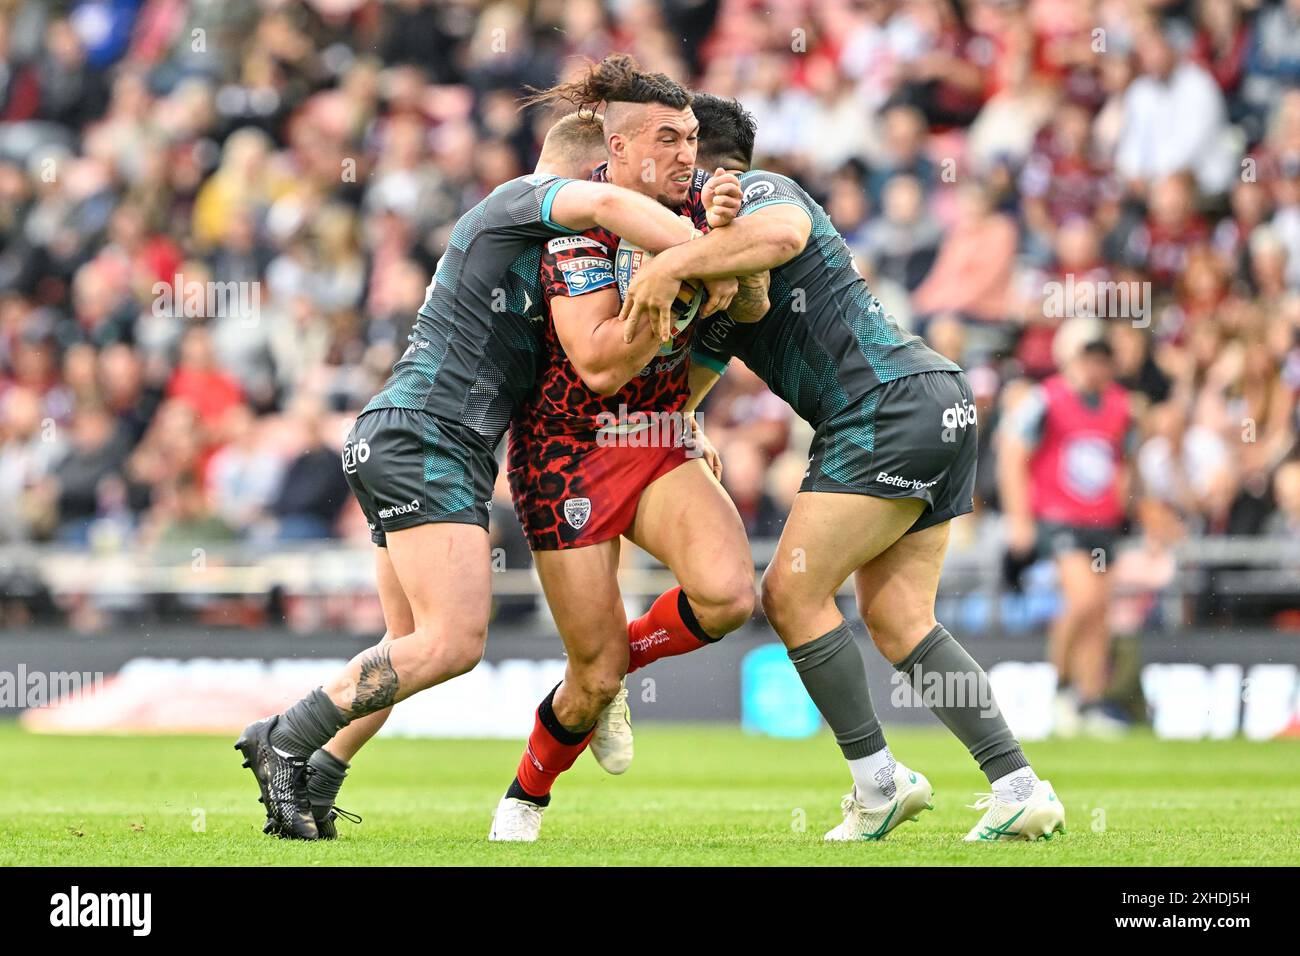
473	354
826	341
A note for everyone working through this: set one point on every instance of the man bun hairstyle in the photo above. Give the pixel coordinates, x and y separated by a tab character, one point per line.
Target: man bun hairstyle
616	79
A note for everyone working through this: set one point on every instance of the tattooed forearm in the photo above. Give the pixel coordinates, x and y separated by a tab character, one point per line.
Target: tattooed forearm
376	685
751	302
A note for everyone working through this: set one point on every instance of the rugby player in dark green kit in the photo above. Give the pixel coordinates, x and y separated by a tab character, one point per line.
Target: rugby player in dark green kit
892	461
421	462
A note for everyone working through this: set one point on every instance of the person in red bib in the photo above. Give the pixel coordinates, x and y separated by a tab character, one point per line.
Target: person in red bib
1063	472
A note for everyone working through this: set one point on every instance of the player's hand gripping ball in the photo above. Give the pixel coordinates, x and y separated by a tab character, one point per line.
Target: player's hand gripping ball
628	259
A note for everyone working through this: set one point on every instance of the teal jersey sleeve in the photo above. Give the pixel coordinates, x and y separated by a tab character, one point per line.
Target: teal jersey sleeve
761	189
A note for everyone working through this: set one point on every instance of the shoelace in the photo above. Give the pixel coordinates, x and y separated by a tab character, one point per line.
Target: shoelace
336	808
983	802
618	717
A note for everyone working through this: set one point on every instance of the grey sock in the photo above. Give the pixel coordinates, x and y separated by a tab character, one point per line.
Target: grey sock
831	669
308	724
957	691
327	777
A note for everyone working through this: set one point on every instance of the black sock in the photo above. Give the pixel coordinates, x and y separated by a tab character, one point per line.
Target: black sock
308	724
326	779
972	714
692	622
518	792
832	670
546	714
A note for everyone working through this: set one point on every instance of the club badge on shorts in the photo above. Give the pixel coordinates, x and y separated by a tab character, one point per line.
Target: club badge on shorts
576	512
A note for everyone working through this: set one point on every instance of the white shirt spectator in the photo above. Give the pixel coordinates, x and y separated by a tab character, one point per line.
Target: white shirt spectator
1197	466
1286	225
1173	126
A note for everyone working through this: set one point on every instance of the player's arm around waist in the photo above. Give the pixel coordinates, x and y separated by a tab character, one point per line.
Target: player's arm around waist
589	330
639	219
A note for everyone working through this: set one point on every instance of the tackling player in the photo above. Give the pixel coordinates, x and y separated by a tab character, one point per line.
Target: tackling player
892	461
597	455
420	459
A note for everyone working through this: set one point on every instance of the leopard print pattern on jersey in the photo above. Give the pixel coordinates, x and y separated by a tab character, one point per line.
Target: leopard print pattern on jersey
552	434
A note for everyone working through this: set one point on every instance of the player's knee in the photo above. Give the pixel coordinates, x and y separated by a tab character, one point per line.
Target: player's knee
463	658
727	607
779	599
895	633
444	655
1084	606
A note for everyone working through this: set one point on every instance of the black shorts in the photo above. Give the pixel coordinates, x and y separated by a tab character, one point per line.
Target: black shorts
1056	539
409	468
914	437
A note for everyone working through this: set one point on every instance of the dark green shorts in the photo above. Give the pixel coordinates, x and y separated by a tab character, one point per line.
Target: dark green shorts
1056	539
409	468
914	437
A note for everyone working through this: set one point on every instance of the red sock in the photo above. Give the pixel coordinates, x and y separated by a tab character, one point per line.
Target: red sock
551	750
669	628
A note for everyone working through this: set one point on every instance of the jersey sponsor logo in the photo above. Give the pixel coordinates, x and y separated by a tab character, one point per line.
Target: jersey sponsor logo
715	333
414	347
1088	466
583	263
756	191
576	512
586	274
398	510
673	357
354	454
960	415
898	481
627	261
574	242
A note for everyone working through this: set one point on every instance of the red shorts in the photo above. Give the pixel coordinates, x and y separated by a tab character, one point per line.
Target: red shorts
571	493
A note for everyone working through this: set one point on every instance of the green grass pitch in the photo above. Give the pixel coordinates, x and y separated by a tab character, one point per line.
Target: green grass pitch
694	795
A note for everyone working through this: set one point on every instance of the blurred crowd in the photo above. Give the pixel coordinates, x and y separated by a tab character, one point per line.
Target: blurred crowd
312	155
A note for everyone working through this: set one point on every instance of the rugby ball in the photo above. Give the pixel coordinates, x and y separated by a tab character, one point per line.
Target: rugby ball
631	257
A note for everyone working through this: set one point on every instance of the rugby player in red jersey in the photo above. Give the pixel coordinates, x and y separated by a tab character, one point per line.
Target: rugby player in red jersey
604	450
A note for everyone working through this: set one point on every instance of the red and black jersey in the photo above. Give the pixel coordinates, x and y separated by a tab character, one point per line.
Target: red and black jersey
563	405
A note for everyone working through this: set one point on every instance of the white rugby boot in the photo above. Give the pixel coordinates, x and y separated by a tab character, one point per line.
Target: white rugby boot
516	821
1036	817
912	795
611	742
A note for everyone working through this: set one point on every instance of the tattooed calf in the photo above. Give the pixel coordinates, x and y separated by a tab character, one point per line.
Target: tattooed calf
376	685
